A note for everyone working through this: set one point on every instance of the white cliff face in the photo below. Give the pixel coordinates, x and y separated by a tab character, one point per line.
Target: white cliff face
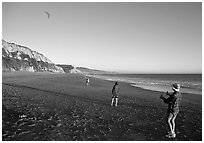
70	69
74	70
59	70
16	57
11	48
40	57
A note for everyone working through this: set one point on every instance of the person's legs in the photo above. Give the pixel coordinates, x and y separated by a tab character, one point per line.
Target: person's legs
173	122
169	118
116	101
112	101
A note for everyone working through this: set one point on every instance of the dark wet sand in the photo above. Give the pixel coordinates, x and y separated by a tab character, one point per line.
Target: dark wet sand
60	107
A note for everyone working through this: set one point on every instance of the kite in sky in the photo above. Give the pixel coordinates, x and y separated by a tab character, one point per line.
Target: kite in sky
48	14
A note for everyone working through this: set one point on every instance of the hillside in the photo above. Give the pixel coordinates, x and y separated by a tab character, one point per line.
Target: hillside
20	58
93	71
69	68
16	58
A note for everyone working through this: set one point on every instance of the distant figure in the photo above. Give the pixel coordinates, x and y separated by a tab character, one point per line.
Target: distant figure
115	93
87	81
173	102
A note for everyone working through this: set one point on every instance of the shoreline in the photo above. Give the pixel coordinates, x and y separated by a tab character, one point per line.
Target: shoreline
149	86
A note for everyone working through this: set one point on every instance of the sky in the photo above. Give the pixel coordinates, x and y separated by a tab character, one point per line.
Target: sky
126	37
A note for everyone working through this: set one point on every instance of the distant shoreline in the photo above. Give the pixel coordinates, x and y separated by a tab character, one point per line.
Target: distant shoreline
151	82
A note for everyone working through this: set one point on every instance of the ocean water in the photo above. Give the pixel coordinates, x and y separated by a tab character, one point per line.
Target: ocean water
190	83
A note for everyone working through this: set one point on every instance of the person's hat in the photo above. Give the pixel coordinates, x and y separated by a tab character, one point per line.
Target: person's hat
176	87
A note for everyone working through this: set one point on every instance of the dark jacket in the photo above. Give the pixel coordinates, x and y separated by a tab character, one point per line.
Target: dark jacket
115	90
173	102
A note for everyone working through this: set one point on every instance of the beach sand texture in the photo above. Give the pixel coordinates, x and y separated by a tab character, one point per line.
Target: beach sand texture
60	107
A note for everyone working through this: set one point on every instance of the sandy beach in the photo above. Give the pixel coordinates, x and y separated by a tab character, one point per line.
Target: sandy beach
60	107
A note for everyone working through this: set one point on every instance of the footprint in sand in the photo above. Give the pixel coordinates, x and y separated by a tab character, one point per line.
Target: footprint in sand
59	125
23	116
32	125
22	133
50	118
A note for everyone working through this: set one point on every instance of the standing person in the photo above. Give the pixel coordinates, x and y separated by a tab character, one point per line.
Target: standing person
87	81
115	93
173	102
